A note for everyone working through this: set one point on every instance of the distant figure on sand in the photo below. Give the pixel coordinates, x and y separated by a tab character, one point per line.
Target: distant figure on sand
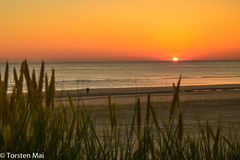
87	90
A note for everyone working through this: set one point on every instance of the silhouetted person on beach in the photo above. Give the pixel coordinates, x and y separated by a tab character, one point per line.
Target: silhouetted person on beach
87	90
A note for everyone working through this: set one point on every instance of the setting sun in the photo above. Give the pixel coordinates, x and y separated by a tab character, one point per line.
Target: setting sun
175	59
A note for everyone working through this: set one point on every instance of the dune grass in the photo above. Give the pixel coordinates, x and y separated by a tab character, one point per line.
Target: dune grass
32	122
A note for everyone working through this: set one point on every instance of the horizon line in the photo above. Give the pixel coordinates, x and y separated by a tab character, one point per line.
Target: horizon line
116	61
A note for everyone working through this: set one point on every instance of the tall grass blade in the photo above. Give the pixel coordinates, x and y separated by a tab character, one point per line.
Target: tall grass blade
6	76
41	79
112	113
139	121
175	100
148	110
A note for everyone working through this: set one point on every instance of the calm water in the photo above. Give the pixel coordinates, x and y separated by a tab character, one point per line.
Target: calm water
137	74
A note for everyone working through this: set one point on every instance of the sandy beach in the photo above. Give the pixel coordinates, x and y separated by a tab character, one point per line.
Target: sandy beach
214	103
191	92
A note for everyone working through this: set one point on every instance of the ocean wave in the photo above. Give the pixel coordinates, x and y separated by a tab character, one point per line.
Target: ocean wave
183	77
222	76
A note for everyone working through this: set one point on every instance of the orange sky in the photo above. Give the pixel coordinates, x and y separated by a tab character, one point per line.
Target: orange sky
119	29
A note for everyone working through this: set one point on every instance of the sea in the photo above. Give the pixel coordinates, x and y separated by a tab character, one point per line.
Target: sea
81	75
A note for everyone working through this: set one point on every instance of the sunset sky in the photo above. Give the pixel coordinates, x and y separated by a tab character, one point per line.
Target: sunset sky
95	30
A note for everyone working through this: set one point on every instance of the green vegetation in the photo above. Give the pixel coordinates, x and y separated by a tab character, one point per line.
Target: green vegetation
32	122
